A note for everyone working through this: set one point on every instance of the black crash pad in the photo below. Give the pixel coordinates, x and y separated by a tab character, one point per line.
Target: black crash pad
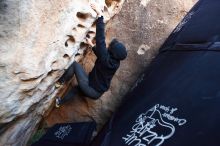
176	101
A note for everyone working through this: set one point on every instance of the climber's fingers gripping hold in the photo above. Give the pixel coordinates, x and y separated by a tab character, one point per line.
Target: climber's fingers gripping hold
97	9
88	41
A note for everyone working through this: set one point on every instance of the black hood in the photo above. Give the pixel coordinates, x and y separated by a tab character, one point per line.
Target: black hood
117	50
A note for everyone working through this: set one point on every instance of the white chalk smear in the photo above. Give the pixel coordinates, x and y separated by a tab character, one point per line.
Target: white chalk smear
142	49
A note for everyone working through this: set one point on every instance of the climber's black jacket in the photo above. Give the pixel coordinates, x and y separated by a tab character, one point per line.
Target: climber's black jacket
105	65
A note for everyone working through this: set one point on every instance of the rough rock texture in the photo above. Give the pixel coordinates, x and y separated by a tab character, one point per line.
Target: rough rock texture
38	39
142	26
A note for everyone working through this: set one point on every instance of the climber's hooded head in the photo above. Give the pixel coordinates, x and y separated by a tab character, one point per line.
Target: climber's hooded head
117	50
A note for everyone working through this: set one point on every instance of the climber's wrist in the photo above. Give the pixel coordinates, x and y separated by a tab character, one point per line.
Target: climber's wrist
99	16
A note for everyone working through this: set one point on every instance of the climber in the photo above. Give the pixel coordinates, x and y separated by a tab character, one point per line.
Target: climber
106	64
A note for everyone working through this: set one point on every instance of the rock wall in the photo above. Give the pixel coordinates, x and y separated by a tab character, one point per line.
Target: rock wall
38	40
142	26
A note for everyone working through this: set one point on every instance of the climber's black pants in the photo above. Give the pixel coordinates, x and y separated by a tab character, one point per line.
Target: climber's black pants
83	82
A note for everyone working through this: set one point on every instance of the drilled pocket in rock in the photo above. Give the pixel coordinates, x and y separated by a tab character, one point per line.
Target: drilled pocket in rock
77	54
82	48
83	16
91	35
91	32
87	35
70	41
83	45
81	26
66	56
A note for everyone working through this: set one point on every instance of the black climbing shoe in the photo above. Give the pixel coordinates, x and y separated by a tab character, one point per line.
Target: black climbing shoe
58	102
58	84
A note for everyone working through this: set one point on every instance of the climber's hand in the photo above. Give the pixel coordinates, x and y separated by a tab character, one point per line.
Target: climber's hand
97	9
89	42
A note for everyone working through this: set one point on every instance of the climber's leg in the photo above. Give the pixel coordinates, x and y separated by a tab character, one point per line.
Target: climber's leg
89	91
83	82
69	95
80	73
67	75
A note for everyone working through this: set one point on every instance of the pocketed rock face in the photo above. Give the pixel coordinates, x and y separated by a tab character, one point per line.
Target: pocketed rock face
142	26
38	40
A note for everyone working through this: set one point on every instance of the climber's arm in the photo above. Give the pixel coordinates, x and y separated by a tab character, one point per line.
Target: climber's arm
101	51
91	44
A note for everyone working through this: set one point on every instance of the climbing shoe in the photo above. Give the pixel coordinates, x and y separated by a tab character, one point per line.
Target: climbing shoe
58	84
58	102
